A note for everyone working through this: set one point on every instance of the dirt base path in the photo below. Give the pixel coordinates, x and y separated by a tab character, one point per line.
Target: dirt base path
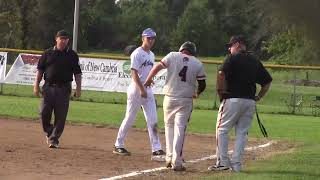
86	153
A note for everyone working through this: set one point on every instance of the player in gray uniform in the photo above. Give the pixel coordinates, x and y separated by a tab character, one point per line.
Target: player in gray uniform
183	70
142	60
236	87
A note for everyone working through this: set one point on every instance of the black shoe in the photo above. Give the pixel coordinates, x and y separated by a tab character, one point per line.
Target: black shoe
158	153
218	168
121	151
53	145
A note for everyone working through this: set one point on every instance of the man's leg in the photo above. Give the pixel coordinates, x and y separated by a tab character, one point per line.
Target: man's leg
227	116
241	127
46	109
60	112
150	113
133	106
180	125
168	115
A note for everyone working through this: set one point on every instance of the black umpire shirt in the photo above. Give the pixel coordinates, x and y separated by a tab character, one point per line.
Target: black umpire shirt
242	72
59	66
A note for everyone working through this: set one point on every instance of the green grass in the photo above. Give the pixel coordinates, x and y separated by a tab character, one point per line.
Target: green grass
299	164
274	102
108	108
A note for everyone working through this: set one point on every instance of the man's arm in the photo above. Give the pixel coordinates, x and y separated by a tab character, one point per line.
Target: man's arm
152	73
78	79
201	87
220	83
136	79
36	88
264	89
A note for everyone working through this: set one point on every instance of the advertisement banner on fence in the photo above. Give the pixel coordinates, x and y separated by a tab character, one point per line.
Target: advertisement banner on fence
111	75
23	71
97	74
3	64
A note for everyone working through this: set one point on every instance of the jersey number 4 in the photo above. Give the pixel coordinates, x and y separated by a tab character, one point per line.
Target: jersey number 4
183	73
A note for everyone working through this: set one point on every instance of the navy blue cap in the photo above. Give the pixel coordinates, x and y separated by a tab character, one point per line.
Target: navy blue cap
62	33
149	33
235	39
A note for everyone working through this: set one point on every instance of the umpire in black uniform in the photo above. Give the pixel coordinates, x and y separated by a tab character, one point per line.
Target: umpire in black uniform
236	87
57	66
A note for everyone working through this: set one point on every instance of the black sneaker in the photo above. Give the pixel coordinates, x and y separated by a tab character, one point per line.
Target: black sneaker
53	145
218	168
121	151
158	153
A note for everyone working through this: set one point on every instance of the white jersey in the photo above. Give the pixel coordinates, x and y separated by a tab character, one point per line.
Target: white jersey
142	61
182	72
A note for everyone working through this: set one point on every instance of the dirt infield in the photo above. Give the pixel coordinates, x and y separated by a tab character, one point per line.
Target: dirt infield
86	153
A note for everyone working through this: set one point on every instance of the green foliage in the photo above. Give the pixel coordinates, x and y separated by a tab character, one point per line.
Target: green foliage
108	26
292	47
199	25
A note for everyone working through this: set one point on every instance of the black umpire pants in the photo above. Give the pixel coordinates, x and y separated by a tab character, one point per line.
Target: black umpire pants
55	99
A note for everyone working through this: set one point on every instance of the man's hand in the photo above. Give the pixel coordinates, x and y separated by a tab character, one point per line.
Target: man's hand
143	94
36	90
148	83
77	93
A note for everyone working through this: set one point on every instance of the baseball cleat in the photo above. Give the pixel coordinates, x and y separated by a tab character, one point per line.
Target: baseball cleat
218	168
159	152
121	151
53	145
159	155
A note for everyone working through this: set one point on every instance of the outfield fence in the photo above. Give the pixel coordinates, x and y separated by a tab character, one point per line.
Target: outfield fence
295	89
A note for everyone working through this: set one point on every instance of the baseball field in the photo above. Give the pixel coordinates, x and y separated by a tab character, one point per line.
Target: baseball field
290	152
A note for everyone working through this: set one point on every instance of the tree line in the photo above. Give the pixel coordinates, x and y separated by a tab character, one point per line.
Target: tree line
283	31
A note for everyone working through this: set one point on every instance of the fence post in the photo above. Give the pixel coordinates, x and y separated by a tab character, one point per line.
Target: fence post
294	91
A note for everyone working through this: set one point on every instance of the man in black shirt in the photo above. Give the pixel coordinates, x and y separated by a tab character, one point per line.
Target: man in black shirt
236	87
57	66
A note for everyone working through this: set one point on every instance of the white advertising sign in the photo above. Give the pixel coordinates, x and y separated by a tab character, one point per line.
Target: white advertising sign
97	74
3	64
23	71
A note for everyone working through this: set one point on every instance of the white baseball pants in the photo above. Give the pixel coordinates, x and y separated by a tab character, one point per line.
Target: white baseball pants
177	112
134	103
238	113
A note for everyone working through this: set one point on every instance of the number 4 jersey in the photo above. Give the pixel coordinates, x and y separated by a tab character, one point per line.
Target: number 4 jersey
182	72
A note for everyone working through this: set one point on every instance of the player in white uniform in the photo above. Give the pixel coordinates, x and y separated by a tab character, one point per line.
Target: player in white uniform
142	60
183	69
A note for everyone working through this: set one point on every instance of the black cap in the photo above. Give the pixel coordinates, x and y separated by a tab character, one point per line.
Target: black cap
234	39
62	33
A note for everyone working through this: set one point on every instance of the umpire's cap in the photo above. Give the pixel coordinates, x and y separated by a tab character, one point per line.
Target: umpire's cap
234	39
189	46
148	33
62	33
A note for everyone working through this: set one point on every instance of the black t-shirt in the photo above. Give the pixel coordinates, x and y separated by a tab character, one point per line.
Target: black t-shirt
242	72
59	66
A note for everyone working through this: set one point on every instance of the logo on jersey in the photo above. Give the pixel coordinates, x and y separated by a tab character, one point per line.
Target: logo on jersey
147	63
126	67
185	60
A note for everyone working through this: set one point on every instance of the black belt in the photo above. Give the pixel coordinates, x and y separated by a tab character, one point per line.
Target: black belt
58	84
